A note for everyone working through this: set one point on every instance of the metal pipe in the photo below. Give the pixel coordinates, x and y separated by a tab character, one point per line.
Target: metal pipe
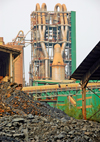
42	32
11	66
61	16
18	34
63	22
39	14
73	102
70	86
44	8
66	29
22	37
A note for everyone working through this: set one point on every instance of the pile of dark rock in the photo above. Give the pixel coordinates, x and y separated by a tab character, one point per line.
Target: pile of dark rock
13	101
24	120
47	129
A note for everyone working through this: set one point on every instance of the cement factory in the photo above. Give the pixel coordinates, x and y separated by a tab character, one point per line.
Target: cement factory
48	29
53	76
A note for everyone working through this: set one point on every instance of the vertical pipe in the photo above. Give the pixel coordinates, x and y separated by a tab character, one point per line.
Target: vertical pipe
11	65
39	68
52	33
46	68
49	67
42	32
52	54
57	33
48	28
36	27
48	62
65	21
61	16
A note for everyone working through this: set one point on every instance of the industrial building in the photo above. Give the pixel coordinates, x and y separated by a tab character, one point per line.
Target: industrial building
84	93
47	29
11	61
53	60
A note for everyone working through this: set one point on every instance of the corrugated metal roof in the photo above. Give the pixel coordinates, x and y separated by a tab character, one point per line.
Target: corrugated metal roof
87	63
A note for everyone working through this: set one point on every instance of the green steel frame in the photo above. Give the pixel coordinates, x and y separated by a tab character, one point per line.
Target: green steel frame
61	95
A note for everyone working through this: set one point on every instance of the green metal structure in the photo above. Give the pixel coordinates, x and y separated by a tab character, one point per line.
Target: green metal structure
73	40
92	96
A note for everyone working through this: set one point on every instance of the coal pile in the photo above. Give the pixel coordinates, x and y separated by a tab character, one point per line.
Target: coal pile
13	101
24	120
46	129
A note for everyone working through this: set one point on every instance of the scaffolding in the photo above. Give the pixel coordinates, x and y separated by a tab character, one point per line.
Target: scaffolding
47	29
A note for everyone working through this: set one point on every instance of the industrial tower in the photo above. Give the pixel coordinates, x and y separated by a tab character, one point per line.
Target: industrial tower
47	29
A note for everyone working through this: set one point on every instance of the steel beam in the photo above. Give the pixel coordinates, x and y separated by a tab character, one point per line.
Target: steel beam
88	74
85	80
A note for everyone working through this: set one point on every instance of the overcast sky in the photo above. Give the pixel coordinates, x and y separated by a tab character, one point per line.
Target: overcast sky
15	16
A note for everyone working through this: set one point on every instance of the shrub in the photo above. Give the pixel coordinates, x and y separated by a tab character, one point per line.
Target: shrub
70	110
76	113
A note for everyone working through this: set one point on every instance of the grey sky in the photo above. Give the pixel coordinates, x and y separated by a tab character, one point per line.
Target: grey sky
15	16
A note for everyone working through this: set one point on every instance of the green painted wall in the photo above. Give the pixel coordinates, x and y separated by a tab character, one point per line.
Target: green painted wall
73	39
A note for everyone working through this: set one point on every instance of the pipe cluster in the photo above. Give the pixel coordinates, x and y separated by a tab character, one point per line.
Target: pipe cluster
42	32
41	21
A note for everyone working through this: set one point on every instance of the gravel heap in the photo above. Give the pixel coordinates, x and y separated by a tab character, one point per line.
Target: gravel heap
25	120
46	129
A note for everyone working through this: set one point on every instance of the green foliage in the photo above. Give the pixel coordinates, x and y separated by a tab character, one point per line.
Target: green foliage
95	108
73	111
70	110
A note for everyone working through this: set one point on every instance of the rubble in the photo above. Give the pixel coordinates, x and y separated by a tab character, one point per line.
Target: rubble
25	120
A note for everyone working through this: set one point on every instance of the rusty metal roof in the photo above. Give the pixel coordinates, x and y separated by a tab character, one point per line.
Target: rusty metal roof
87	64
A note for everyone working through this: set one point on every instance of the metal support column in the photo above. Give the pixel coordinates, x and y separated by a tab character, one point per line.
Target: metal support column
84	102
11	66
84	85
